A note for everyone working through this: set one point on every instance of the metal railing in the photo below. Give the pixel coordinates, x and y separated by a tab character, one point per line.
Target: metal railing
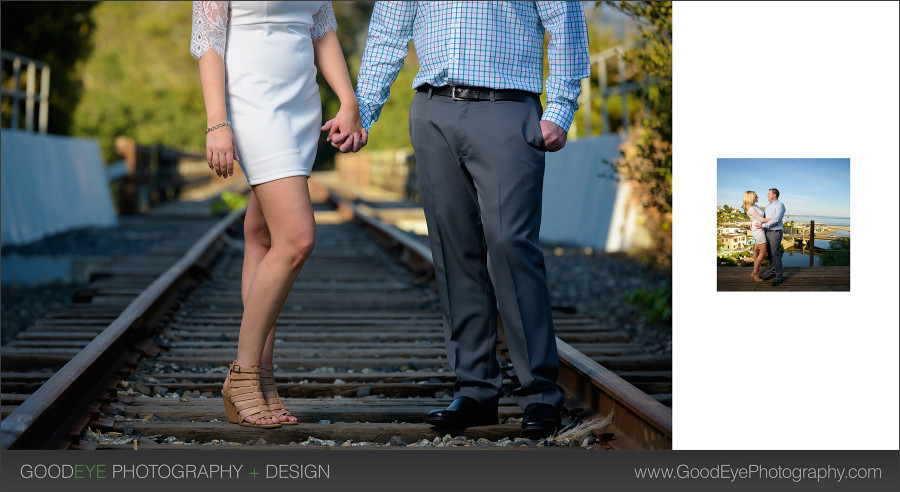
148	175
16	94
621	87
807	238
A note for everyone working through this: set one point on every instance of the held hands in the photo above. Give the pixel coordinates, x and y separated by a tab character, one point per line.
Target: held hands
348	135
554	136
220	151
345	131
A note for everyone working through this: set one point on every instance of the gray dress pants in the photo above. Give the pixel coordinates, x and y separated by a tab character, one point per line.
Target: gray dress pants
773	240
481	170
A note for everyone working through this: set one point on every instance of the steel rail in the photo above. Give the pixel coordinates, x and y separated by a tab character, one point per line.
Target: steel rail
646	422
35	424
639	421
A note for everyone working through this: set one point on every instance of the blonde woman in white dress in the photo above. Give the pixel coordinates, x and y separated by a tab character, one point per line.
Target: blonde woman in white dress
258	65
759	235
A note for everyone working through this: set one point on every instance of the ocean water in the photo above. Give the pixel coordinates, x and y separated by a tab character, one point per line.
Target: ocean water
820	219
823	243
793	258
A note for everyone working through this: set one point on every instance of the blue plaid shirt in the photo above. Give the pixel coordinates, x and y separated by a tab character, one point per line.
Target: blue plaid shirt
775	211
499	45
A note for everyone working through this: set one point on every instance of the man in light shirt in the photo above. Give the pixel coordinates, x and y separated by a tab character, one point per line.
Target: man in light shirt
480	134
774	233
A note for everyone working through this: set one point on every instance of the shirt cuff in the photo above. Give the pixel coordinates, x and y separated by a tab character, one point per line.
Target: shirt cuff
559	114
367	116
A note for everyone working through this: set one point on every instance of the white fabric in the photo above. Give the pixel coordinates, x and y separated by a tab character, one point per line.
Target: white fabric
50	184
209	26
756	216
272	98
323	21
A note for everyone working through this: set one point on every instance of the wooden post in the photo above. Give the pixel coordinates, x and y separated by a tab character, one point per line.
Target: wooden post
604	108
128	191
586	103
623	79
30	86
45	99
17	77
812	242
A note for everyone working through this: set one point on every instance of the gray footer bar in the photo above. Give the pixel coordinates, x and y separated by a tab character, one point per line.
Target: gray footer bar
467	470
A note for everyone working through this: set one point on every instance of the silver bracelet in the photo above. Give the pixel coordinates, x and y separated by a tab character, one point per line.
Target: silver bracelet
220	125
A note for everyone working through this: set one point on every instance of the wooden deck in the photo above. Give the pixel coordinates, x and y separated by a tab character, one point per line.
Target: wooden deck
796	279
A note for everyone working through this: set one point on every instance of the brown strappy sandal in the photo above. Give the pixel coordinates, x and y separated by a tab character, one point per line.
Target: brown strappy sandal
244	399
270	393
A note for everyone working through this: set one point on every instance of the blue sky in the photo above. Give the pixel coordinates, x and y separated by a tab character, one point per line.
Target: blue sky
807	186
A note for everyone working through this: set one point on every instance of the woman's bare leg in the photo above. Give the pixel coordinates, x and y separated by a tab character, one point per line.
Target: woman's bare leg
279	236
759	254
257	242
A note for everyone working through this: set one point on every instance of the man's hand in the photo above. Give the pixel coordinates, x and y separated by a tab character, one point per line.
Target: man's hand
554	136
345	142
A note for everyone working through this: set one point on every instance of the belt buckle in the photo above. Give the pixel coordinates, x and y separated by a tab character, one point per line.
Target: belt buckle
453	94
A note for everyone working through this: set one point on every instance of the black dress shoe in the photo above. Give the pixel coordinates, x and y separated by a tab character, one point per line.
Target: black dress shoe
464	412
769	276
541	420
777	282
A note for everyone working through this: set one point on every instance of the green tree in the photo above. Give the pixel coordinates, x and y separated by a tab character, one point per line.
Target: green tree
353	20
391	131
728	261
838	253
141	81
601	36
647	151
58	33
726	208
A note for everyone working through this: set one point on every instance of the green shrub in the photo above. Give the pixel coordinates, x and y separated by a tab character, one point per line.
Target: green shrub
838	253
229	202
657	303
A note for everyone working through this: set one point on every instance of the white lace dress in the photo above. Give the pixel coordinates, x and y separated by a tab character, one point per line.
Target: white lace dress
271	94
756	215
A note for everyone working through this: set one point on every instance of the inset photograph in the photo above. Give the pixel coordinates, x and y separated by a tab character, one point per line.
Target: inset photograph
783	225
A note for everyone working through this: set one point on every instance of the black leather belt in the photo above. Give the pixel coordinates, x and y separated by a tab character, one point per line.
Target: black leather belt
463	93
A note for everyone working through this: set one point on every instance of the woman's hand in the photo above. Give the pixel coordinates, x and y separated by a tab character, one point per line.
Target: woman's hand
220	151
345	131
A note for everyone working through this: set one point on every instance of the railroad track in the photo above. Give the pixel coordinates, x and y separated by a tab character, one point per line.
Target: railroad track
359	357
